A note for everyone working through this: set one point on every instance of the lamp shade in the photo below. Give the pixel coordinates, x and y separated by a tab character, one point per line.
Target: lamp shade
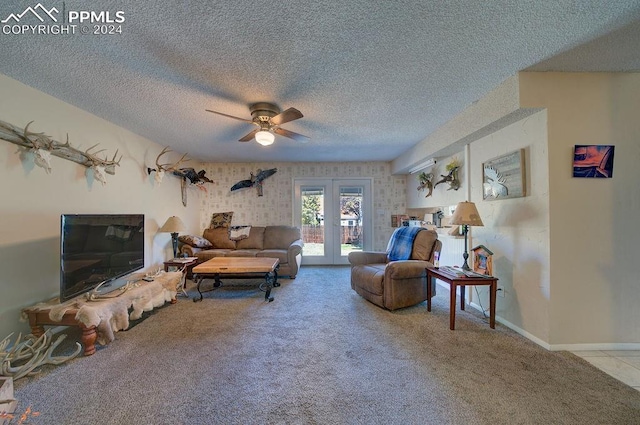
172	225
265	138
466	213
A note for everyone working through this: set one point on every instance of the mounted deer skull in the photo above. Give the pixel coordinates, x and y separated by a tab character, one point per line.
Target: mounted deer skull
162	168
42	158
173	168
100	166
42	146
41	149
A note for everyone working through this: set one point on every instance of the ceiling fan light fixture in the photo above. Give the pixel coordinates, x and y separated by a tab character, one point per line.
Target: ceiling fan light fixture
265	138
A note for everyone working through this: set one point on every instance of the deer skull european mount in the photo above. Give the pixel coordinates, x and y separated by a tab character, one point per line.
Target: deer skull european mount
43	147
187	175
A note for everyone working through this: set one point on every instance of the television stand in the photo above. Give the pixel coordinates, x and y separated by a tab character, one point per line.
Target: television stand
100	320
40	317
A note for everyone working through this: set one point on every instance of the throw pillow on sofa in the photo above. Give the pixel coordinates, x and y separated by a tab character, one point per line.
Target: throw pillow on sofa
222	219
195	241
237	233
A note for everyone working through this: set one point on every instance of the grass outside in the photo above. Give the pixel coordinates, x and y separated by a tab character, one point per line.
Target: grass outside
318	248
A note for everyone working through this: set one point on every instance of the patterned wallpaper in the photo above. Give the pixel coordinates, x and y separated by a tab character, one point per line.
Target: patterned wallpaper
275	206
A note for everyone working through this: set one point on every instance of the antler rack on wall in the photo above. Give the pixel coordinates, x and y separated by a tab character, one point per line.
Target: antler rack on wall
197	178
44	146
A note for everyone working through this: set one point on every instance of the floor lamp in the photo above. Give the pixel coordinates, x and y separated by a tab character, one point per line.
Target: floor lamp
173	225
465	215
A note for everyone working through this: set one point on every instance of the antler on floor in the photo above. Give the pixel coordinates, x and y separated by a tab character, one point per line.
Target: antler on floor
27	355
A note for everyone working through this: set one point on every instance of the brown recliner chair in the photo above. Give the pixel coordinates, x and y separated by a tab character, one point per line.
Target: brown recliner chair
395	284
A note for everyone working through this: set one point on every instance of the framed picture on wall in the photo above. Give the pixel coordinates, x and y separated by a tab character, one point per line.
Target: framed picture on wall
504	177
593	161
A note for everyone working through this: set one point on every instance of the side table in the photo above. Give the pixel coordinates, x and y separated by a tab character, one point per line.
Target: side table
454	281
185	265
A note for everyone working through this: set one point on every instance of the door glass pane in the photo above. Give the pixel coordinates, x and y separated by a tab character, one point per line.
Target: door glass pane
350	219
313	220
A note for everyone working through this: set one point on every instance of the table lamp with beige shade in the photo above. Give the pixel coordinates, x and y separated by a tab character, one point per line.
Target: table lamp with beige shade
174	226
465	215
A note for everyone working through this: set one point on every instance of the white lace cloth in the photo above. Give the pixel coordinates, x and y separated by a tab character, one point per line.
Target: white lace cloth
110	315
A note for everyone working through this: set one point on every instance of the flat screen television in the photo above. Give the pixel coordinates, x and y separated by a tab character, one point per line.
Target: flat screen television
97	249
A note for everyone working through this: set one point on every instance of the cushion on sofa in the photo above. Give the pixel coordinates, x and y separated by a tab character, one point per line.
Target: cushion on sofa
208	254
254	241
195	241
280	254
243	253
423	245
219	238
279	237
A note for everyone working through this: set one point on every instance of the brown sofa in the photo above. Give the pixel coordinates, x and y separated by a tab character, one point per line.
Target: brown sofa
281	242
395	284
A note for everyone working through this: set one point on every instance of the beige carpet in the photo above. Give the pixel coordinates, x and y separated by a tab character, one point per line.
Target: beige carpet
320	354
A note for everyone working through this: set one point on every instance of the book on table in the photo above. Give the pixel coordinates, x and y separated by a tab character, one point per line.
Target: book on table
458	272
184	259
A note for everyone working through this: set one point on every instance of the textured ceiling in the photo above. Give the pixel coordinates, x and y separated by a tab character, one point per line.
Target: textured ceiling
372	79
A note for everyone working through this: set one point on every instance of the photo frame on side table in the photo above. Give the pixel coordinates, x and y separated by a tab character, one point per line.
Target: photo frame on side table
504	177
482	260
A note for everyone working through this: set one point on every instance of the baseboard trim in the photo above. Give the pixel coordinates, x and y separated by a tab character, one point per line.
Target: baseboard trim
612	346
517	329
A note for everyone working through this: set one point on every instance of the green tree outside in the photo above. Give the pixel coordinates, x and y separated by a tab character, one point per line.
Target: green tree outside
310	210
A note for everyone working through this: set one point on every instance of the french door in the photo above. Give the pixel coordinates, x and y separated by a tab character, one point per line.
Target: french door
335	218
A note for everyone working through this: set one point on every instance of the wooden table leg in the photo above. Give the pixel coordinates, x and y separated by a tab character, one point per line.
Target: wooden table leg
430	280
37	330
452	307
88	338
463	295
492	304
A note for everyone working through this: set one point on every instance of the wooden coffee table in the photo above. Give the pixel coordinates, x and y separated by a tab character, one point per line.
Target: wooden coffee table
241	268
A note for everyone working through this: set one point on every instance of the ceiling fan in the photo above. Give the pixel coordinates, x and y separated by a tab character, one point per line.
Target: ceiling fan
268	118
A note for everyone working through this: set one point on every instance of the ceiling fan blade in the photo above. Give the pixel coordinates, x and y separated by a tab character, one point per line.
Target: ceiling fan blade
230	116
249	136
286	116
290	134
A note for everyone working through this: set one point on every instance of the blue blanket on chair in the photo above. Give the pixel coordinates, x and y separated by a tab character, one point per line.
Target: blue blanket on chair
401	243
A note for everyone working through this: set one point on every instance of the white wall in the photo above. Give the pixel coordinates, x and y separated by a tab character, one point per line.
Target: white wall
516	230
595	290
33	200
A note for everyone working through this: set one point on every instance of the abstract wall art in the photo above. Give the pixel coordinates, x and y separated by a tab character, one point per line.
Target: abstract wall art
594	161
